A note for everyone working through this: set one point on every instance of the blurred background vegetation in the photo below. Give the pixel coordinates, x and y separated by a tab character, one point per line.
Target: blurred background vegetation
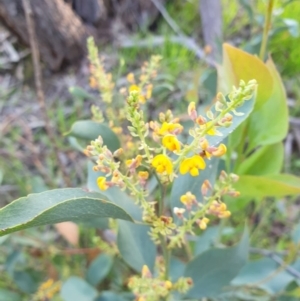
126	38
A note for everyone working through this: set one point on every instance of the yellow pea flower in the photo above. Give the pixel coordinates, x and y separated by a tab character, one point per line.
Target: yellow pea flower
134	88
143	175
221	150
188	199
192	165
134	163
101	182
162	164
171	143
170	128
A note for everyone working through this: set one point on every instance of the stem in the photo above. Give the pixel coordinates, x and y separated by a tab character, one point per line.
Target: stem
166	255
267	26
162	195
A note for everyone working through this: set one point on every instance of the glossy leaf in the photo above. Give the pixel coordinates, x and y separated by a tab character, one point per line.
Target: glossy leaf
238	65
269	124
77	289
212	270
266	160
270	185
135	245
90	130
98	269
55	206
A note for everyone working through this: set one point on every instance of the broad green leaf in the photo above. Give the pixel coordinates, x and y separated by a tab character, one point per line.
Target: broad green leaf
90	130
212	270
269	185
24	281
206	240
110	296
98	269
114	194
55	206
77	289
238	65
177	268
259	272
7	295
266	160
135	245
185	183
269	124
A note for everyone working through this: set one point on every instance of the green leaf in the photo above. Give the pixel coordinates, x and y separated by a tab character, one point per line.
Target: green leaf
206	240
24	281
269	124
258	273
6	295
269	185
184	183
238	65
91	130
55	206
135	245
177	268
212	270
266	160
110	296
77	289
99	269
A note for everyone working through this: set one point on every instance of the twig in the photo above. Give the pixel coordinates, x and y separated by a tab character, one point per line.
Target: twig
159	40
278	260
167	17
39	87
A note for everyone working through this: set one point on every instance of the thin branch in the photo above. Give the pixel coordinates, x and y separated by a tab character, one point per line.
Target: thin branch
39	87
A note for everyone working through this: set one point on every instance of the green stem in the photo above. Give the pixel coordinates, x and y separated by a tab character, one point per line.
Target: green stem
166	255
267	26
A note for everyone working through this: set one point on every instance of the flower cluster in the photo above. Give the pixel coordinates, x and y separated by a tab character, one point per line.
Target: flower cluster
47	290
149	288
194	213
162	154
